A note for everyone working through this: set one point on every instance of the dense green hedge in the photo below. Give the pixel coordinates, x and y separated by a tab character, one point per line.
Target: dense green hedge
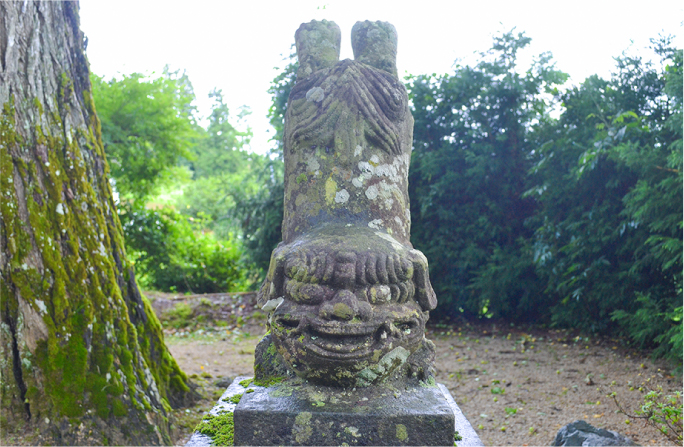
539	205
170	255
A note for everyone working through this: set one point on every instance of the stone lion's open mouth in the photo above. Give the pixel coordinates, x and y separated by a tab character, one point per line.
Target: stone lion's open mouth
352	341
347	341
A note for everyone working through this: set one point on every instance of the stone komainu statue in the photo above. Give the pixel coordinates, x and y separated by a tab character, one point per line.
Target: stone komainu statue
348	296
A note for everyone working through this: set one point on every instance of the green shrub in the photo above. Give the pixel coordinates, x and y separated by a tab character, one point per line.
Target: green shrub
660	411
664	412
178	317
654	325
170	255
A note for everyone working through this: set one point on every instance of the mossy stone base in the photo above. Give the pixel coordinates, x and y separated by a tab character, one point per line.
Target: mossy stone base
292	413
225	406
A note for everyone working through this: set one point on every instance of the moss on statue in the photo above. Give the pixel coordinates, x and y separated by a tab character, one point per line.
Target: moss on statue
247	382
270	381
219	428
269	368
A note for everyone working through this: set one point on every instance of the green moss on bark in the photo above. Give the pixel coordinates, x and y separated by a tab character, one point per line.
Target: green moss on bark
87	346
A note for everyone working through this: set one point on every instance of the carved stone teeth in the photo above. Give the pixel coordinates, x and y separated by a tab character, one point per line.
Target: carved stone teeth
304	268
382	268
395	292
329	268
317	267
371	274
392	261
292	287
406	269
361	271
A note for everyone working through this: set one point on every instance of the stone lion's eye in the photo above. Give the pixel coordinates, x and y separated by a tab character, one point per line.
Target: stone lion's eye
406	326
288	323
379	294
306	293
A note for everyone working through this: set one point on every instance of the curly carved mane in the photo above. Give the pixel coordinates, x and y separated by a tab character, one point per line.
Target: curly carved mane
346	103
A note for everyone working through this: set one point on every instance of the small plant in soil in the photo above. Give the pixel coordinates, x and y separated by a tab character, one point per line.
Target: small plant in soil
660	411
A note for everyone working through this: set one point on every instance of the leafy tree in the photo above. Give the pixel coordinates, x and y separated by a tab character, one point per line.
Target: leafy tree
151	133
147	125
608	238
474	131
579	246
222	171
655	202
220	149
261	215
173	255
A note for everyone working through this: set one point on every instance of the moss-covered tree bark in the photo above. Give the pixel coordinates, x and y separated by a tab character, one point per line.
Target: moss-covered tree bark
83	358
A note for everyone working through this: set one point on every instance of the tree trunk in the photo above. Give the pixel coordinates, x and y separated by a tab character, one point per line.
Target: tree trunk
83	357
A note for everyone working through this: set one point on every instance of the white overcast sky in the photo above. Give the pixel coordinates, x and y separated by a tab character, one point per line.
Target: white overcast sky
235	45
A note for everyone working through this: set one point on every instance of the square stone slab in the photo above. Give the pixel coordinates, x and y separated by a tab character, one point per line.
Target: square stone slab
461	425
303	414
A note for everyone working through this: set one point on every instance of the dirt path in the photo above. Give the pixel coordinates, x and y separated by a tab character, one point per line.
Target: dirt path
516	386
519	388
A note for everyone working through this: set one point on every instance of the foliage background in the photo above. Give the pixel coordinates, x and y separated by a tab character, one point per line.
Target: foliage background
574	221
535	202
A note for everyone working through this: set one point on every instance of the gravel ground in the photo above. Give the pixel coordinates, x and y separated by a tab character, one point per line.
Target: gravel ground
516	386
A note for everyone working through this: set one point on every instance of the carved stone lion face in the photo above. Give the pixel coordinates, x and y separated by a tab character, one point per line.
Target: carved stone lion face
349	305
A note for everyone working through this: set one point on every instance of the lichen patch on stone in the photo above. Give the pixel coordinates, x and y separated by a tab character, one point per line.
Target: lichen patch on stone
330	190
341	196
316	94
375	224
401	433
302	429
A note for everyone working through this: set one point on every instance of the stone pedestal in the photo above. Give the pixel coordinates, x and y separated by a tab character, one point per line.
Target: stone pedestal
316	415
299	414
347	295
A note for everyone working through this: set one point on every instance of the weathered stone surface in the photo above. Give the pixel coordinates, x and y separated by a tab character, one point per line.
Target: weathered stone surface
462	426
354	310
318	46
581	433
347	143
347	293
348	136
295	413
224	405
375	44
465	433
